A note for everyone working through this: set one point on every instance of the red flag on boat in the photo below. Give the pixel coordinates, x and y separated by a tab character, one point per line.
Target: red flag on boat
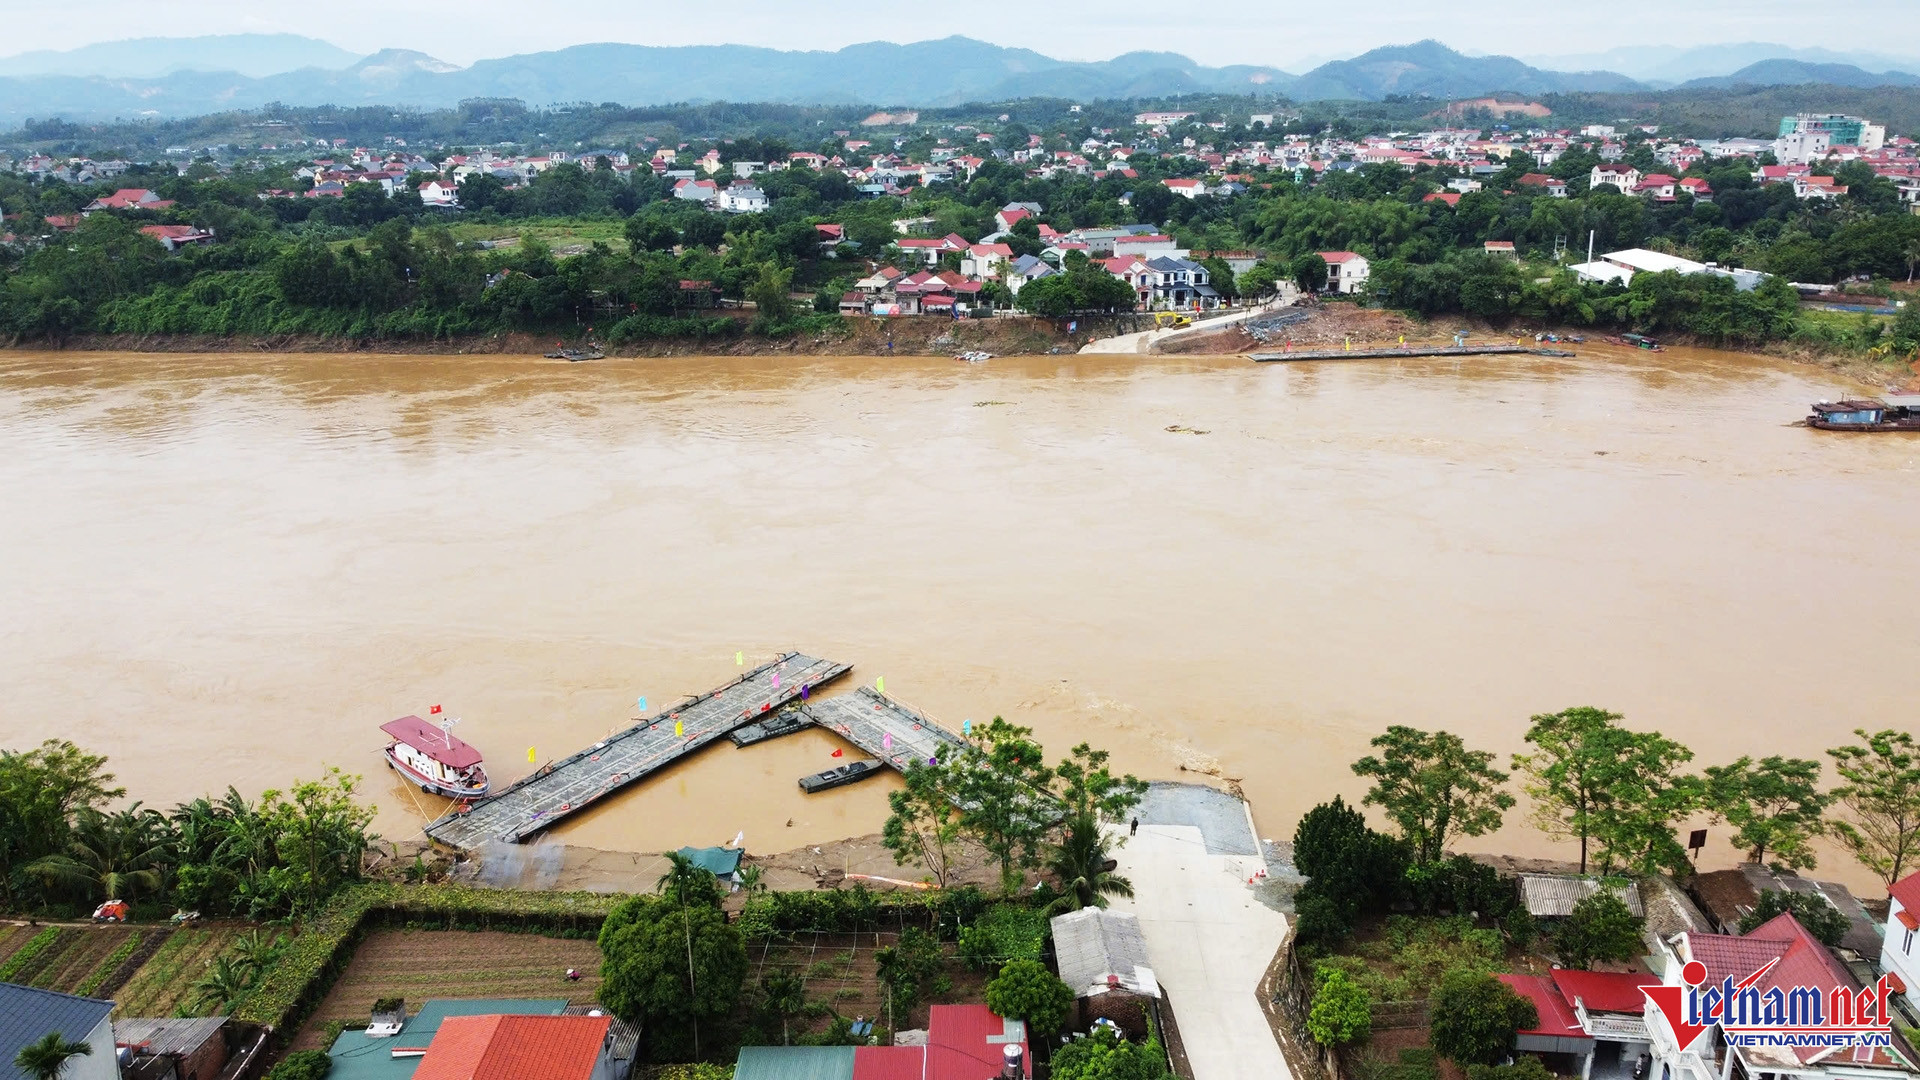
433	710
836	753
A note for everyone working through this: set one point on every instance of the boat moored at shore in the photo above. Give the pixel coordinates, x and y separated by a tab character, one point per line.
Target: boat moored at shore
432	758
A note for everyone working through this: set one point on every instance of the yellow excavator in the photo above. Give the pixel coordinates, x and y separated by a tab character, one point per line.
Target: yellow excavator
1164	320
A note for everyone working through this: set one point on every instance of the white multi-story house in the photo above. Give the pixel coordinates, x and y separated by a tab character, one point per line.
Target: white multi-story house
1620	175
743	199
435	193
1899	949
1347	272
1798	960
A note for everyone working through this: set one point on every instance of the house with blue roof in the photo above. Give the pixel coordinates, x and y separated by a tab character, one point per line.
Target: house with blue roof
27	1015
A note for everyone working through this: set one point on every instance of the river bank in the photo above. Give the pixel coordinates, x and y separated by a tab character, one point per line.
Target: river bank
1330	324
909	336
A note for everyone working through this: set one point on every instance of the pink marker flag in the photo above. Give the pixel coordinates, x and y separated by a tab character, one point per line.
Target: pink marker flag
886	741
776	680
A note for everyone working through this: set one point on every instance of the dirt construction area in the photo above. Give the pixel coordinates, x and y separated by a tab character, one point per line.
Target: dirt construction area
422	964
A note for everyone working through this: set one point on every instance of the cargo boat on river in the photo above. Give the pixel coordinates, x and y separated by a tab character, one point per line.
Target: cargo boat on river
1894	413
431	757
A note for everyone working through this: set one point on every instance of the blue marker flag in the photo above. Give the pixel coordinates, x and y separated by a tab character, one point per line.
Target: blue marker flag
643	704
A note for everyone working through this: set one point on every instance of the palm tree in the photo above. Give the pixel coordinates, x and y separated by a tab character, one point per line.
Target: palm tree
685	881
786	996
751	878
256	952
1080	864
1912	255
44	1058
112	856
223	984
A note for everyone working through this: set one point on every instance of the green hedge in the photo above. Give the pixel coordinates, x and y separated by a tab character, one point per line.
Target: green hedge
291	989
843	911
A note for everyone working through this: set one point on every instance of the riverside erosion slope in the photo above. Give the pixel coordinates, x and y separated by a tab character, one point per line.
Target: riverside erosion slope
1209	938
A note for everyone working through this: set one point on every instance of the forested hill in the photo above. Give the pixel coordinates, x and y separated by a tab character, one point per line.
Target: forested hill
246	72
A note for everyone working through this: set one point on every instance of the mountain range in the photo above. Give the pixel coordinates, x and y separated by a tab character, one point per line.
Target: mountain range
188	76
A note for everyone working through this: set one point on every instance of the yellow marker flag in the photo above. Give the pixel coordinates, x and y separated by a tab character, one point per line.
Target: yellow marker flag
880	684
679	729
740	659
529	754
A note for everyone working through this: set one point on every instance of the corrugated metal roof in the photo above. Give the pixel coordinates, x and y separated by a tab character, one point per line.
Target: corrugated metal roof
357	1057
794	1063
1093	943
27	1015
1552	896
889	1062
961	1039
1556	1016
1603	991
180	1036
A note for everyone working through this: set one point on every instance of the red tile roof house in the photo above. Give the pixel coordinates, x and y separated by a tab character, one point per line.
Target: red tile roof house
128	199
1798	960
520	1048
175	237
1592	1023
964	1042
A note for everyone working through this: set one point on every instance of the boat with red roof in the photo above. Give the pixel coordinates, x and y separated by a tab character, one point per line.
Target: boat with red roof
429	755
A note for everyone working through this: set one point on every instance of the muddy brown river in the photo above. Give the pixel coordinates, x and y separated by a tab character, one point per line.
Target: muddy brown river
231	569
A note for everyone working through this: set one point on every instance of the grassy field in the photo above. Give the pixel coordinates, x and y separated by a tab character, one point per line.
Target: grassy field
422	964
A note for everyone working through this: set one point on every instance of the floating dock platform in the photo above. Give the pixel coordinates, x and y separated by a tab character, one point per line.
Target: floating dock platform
1397	351
560	789
888	731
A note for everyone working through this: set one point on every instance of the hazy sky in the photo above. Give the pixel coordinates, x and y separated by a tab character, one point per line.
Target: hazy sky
1286	33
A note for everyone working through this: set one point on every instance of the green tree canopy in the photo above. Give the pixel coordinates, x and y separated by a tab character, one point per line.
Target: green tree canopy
1812	911
1566	775
1026	990
1432	787
1775	806
1105	1055
1342	1012
1477	1018
1879	801
1601	928
667	966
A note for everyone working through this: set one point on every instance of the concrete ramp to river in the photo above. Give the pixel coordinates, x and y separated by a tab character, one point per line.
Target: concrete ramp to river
560	789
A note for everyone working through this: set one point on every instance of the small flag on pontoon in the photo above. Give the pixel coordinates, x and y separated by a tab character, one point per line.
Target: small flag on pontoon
966	727
433	710
739	659
836	753
679	729
886	741
643	704
880	684
529	753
